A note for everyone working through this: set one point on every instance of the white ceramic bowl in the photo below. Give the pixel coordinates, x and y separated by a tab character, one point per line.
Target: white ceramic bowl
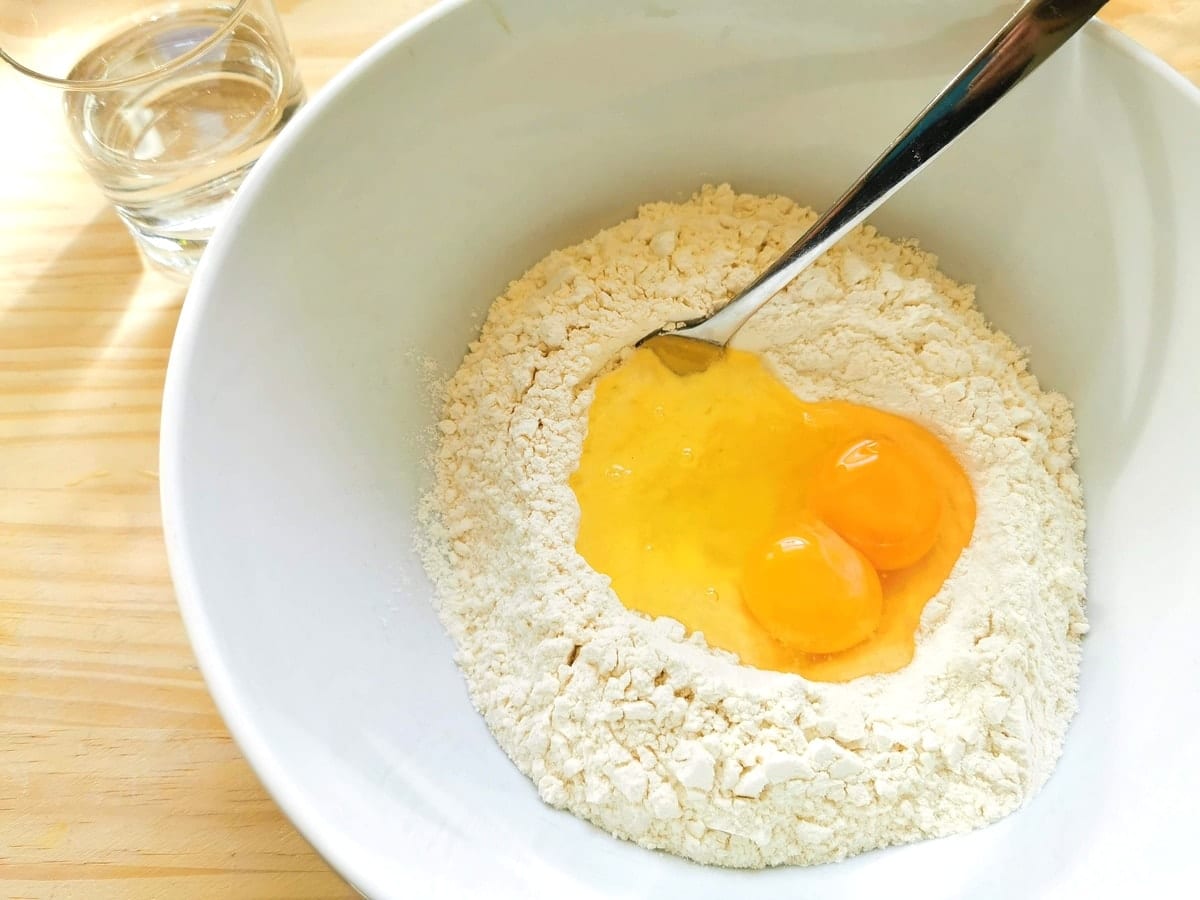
477	138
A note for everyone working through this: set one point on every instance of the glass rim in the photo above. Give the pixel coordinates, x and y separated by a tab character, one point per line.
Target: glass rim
107	84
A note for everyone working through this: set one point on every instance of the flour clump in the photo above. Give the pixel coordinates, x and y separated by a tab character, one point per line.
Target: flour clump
645	730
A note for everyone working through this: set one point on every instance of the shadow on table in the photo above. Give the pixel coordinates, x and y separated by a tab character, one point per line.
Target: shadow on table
98	297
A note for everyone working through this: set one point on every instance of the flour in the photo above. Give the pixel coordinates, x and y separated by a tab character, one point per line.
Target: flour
649	733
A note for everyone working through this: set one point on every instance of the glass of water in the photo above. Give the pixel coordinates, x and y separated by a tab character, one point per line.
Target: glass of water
168	103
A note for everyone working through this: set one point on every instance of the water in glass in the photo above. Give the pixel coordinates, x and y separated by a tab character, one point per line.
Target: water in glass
169	153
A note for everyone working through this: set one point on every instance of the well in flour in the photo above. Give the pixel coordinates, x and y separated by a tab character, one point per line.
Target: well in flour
646	731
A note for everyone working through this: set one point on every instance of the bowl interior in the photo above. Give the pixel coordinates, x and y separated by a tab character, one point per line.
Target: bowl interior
378	229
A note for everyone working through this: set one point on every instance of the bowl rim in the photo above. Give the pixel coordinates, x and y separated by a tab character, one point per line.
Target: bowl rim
221	680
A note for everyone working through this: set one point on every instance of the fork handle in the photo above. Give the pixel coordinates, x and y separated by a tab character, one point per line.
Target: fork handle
1031	36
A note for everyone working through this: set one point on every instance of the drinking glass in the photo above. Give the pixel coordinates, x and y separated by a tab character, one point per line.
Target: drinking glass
169	104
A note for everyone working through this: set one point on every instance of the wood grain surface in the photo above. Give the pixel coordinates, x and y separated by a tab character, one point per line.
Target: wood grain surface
117	776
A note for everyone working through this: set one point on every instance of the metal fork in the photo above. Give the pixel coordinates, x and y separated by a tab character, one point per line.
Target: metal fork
1027	40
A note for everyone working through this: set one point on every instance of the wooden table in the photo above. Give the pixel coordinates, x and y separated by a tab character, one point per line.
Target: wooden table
117	776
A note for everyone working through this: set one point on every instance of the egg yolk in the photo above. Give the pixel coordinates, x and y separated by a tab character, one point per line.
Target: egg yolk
814	591
873	495
803	537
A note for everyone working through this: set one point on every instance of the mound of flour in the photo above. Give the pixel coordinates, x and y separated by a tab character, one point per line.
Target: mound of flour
649	733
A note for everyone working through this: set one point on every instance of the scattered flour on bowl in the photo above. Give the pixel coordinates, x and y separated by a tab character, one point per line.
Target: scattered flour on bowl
649	733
